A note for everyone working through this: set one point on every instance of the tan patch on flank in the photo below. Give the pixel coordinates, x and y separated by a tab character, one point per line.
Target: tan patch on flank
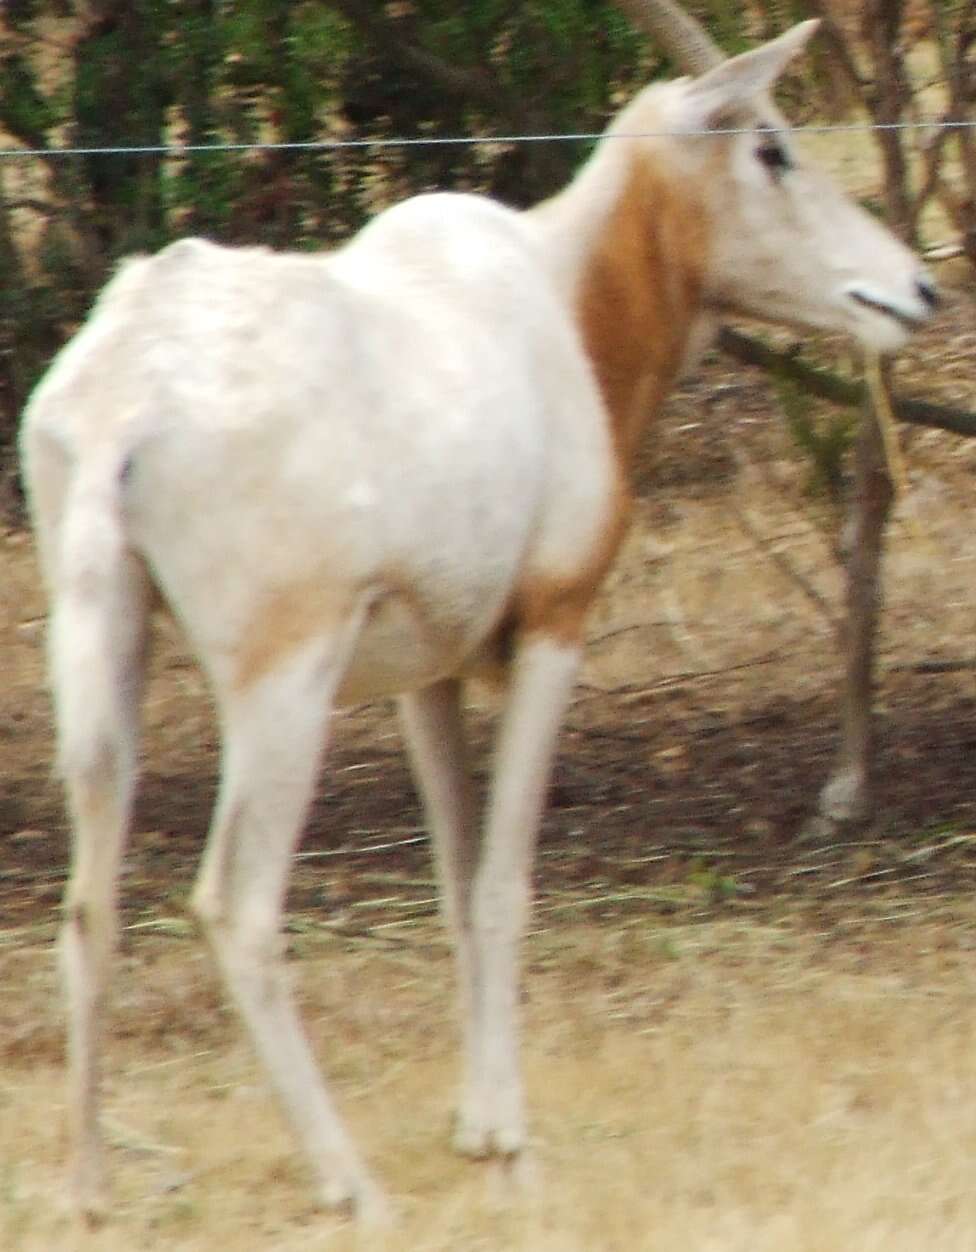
288	619
558	606
640	296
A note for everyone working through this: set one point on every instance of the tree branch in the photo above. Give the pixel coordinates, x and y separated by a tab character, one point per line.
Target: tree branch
837	389
475	84
838	47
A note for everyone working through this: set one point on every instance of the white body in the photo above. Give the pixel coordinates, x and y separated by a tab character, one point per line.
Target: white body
379	471
347	432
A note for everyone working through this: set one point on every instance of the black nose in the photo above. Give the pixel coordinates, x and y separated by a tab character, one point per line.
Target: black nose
928	291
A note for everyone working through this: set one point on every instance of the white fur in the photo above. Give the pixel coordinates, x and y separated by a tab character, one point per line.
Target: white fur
339	472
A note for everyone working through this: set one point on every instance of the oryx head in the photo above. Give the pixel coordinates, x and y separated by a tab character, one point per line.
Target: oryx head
785	243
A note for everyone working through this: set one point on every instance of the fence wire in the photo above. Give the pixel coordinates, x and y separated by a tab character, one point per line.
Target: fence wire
433	141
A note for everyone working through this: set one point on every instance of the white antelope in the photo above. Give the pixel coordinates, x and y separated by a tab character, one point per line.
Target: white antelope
384	470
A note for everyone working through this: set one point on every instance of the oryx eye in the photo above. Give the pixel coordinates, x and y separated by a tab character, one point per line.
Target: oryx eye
775	157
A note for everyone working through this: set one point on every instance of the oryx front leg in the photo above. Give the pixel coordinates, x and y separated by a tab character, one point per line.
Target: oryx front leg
491	1118
274	732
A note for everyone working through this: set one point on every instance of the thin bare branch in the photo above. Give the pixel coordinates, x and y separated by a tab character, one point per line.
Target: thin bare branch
477	84
838	47
837	389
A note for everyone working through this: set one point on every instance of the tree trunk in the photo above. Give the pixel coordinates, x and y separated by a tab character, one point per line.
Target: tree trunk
848	796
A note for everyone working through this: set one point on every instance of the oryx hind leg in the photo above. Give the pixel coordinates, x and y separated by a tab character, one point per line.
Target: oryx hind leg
274	732
434	728
98	646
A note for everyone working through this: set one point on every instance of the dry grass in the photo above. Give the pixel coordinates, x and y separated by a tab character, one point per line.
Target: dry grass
723	1086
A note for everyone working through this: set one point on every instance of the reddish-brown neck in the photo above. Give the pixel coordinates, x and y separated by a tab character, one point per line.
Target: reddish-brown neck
640	296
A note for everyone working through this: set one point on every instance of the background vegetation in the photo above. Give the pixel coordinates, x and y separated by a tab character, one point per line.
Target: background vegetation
170	73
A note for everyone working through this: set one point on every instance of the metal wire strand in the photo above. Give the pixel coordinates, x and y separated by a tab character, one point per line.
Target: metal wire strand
432	141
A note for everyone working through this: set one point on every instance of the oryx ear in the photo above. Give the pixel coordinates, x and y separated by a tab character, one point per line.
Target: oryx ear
717	95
